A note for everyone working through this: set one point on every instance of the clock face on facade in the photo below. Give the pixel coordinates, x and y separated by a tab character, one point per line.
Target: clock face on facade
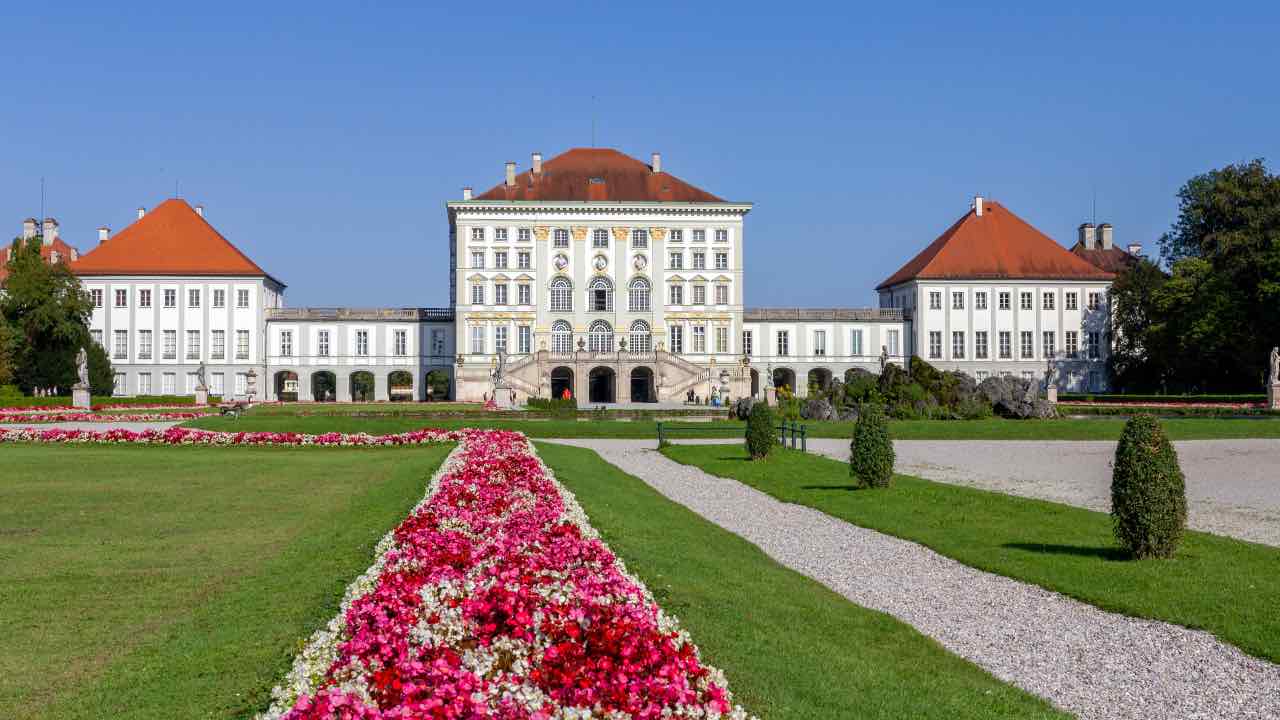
601	262
561	261
641	262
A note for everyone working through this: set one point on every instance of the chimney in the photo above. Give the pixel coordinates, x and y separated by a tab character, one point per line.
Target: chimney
511	173
141	212
1088	236
50	230
466	193
200	210
1135	250
28	228
977	206
103	233
537	163
1104	231
656	162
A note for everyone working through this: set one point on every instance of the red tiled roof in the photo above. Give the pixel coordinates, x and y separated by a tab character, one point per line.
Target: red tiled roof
1112	260
171	239
597	174
65	254
996	245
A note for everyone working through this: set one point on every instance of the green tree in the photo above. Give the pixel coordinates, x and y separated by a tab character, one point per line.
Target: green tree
871	454
760	438
1148	491
7	347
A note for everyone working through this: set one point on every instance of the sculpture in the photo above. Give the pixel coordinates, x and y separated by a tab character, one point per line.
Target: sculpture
202	382
82	367
1275	366
501	369
884	357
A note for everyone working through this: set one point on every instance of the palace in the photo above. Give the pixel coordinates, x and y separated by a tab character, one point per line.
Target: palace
599	275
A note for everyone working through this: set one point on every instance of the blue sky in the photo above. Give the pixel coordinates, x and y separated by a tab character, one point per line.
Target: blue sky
324	139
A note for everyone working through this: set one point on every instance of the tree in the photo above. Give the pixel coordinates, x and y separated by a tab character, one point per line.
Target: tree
7	347
871	454
1148	491
760	438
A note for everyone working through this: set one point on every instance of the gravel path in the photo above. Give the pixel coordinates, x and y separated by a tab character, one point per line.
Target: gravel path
1092	663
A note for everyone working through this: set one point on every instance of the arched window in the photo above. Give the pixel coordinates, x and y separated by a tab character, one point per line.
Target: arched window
639	295
561	295
600	295
641	339
561	337
600	337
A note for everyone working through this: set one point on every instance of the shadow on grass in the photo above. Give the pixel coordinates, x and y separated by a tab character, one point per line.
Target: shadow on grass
850	488
1111	554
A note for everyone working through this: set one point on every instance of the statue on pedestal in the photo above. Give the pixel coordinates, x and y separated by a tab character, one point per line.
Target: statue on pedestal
82	367
884	357
202	381
1274	378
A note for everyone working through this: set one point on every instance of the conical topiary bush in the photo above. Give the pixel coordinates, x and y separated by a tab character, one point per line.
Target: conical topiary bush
1148	491
871	454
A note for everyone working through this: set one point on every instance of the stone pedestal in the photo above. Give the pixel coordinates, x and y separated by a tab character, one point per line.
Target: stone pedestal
202	396
1051	393
502	398
81	397
1273	396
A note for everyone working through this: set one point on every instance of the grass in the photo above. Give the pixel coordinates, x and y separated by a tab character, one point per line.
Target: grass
268	418
791	648
380	408
1225	586
143	582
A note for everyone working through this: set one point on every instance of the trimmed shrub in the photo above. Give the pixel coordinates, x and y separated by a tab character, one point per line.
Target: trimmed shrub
760	431
557	407
871	454
1148	491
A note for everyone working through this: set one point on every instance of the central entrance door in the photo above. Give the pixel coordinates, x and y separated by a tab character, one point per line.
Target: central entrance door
601	385
561	380
642	390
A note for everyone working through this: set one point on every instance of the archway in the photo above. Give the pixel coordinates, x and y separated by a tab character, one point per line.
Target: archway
755	382
820	379
286	386
561	380
437	385
324	386
400	385
361	386
784	377
642	389
601	385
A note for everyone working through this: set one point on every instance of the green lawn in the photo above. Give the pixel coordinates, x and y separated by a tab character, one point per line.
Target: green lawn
381	408
148	582
1225	586
790	647
275	419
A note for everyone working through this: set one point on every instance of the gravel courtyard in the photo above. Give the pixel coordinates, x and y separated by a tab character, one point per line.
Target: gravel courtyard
1092	663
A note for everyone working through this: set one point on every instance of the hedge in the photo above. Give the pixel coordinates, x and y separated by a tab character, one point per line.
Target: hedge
1171	399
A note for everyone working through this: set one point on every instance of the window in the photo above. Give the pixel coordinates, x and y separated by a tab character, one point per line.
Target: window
892	345
600	238
193	298
96	337
144	344
600	336
96	296
242	298
477	339
1095	300
322	343
170	345
218	345
747	344
524	340
639	238
935	301
722	235
170	298
677	261
500	259
524	294
980	301
983	375
1047	300
1024	300
144	300
560	238
935	344
400	341
1006	345
217	384
242	383
1094	351
722	339
1004	300
219	298
191	382
242	346
477	234
1027	345
1072	301
600	295
122	298
144	383
699	260
819	342
722	294
699	339
1050	347
722	261
561	295
522	260
524	234
957	345
561	337
120	349
500	294
638	295
699	294
855	342
677	339
193	345
1028	375
641	341
699	235
477	260
980	344
1071	344
500	338
286	343
676	290
500	235
169	383
784	342
677	235
437	342
1095	380
477	293
362	343
957	301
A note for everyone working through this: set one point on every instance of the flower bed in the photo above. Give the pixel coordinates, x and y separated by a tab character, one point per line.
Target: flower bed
496	599
68	416
187	436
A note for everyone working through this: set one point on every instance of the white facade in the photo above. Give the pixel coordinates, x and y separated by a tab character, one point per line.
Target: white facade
800	347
